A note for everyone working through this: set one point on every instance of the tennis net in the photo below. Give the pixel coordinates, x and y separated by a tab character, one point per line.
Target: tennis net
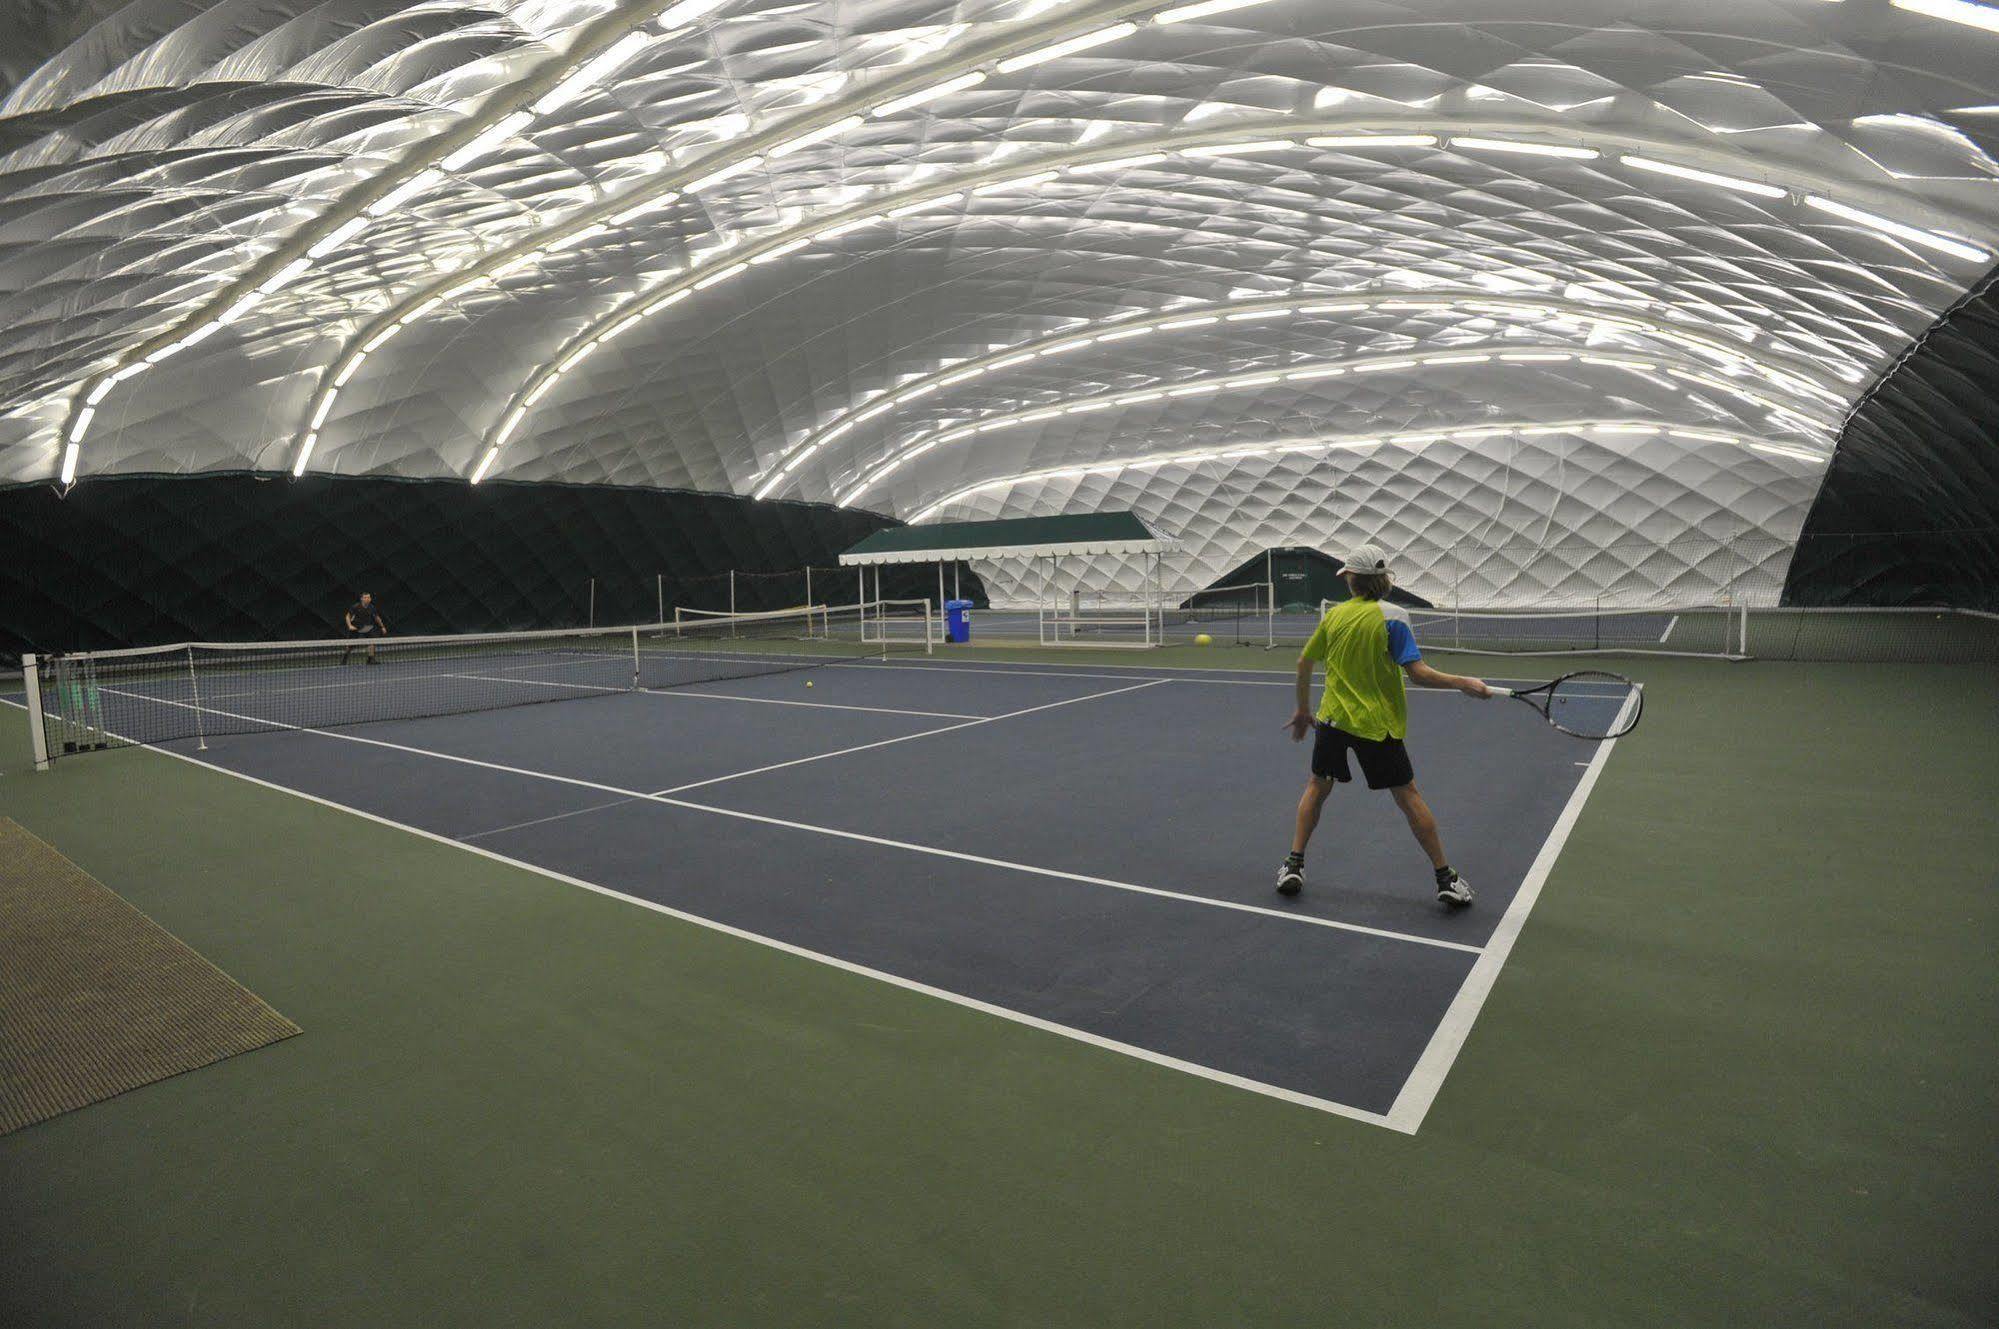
91	700
1245	614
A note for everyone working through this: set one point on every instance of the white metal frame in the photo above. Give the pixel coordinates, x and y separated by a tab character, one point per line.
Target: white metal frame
882	620
1158	604
1059	628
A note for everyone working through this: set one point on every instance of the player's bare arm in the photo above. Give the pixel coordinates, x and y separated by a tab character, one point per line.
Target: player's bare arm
1423	676
1300	723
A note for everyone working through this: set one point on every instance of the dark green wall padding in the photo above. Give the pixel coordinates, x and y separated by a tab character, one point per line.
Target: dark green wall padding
1909	511
143	560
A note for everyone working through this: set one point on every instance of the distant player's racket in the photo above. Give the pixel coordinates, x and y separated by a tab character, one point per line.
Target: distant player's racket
1588	704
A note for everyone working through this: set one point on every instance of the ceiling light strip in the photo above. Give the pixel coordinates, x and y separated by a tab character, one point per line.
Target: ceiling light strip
588	69
854	223
957	373
1421	438
1304	371
671	20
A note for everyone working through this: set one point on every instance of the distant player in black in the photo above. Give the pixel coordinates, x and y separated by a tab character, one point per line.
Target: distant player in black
364	621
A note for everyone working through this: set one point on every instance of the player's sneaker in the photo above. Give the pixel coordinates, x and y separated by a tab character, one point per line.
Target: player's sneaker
1453	890
1291	877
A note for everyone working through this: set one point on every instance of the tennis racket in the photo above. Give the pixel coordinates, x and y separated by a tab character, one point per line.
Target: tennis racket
1588	704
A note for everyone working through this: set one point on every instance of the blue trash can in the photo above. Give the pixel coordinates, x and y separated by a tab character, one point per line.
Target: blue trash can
958	621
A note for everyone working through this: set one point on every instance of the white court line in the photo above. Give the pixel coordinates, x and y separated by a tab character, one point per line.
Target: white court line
815	705
934	851
1671	623
542	821
1419	1091
534	683
1065	671
970	722
304	687
720	696
1132	1050
1412	1102
904	738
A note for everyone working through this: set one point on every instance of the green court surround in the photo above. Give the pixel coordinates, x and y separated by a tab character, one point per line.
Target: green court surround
1741	1069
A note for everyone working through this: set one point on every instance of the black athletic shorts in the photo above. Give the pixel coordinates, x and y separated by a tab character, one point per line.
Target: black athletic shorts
1384	761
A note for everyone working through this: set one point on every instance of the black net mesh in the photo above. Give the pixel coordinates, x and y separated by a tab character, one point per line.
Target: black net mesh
96	700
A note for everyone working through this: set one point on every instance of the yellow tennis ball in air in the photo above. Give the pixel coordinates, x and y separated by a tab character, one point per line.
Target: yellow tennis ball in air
808	682
1204	640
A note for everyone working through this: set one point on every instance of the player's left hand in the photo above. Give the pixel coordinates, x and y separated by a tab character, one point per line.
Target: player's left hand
1300	724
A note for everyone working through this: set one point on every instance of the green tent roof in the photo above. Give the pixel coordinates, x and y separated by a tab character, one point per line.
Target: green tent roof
1021	537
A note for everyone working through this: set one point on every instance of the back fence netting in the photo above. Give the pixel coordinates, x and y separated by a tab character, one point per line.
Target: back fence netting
1239	615
1226	615
1692	596
1873	636
1695	595
92	700
1727	632
653	597
1698	630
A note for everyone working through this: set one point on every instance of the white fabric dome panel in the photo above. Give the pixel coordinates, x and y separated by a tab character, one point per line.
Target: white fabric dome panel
807	250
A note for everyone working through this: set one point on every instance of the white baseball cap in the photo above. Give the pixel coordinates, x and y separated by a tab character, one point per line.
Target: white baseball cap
1366	560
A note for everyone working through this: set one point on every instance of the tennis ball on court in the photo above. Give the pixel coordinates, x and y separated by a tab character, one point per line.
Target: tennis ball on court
808	682
1204	640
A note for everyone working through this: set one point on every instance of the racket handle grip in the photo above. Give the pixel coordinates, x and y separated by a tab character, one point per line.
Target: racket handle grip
1499	691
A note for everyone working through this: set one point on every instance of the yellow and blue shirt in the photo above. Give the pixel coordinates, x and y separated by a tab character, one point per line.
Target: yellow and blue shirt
1363	644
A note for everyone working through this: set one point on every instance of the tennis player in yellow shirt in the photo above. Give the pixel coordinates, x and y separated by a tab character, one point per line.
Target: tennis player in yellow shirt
1366	646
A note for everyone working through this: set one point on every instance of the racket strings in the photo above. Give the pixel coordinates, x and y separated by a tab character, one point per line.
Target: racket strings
1590	704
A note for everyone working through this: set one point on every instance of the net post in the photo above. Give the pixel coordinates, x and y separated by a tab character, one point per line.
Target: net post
940	588
194	689
1457	603
808	584
1158	606
1743	644
635	658
593	602
1043	607
38	737
68	700
732	599
94	699
659	595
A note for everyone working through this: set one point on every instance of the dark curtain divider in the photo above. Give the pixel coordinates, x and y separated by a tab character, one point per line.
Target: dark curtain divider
1909	512
143	560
